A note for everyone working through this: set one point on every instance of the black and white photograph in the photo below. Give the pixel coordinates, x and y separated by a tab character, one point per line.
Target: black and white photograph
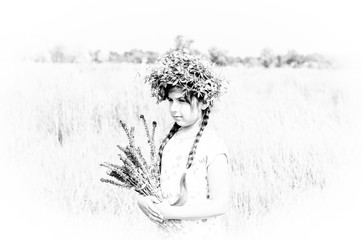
185	119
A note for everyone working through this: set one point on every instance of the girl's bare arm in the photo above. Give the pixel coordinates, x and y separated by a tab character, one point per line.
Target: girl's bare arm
217	203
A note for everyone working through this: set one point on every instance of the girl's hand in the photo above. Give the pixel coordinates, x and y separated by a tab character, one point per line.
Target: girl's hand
164	208
147	205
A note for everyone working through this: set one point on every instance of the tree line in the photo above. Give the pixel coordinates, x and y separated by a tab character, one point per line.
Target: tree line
266	58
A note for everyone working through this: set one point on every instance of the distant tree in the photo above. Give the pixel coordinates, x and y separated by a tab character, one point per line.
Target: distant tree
57	54
115	57
151	57
181	42
293	59
317	61
218	56
267	58
238	60
278	61
60	54
135	56
251	62
98	56
41	58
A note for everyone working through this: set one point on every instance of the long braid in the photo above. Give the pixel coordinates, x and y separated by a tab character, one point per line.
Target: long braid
172	132
192	153
183	188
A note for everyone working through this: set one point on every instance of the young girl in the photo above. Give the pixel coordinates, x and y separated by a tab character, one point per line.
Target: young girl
193	160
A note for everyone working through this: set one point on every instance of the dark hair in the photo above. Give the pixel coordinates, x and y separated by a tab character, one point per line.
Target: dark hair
188	96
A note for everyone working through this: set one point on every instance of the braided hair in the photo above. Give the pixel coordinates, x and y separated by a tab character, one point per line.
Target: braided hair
192	153
183	188
172	132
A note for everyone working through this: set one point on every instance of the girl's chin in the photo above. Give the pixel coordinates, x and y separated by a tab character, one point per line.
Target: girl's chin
184	124
181	123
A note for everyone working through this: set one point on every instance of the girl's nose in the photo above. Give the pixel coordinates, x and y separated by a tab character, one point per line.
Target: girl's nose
174	106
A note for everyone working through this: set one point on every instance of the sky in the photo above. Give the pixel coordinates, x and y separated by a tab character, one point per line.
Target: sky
239	27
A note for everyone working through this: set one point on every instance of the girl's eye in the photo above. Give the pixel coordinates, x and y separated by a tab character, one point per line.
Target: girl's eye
182	100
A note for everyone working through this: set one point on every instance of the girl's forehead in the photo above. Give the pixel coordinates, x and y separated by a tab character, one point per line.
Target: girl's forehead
176	93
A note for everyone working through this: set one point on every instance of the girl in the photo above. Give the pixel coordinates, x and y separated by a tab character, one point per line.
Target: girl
193	161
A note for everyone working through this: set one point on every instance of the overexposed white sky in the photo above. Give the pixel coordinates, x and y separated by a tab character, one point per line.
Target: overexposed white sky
240	27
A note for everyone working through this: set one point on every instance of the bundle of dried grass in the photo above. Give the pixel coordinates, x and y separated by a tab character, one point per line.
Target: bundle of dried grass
135	172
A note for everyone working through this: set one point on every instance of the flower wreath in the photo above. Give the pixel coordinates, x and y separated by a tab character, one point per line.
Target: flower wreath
181	69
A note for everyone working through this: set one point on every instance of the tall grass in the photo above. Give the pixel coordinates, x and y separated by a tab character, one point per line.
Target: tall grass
285	130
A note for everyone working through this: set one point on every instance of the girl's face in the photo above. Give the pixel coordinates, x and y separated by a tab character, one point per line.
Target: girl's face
184	113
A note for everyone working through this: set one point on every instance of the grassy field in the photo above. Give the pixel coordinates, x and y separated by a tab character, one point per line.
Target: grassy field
287	130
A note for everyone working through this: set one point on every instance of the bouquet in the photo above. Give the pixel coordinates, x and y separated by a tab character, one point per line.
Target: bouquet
135	172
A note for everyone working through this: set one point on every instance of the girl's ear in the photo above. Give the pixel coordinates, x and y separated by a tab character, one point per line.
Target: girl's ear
204	105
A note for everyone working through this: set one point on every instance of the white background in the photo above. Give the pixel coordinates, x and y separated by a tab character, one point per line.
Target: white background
240	27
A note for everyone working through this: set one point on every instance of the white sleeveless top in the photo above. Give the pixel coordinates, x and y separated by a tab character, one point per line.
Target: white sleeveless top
174	159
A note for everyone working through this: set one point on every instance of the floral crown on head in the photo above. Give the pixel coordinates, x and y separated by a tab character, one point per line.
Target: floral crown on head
179	68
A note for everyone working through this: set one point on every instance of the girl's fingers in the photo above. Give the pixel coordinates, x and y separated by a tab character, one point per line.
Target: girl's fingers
147	206
154	211
154	199
154	218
